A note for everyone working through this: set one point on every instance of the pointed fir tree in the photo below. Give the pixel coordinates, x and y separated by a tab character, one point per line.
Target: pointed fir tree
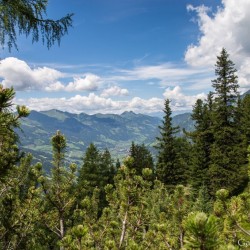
89	173
142	158
169	168
97	171
228	155
202	138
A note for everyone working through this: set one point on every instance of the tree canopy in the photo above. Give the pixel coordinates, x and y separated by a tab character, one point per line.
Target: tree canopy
28	17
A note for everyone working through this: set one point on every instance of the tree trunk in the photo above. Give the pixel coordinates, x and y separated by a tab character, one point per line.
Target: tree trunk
124	222
61	231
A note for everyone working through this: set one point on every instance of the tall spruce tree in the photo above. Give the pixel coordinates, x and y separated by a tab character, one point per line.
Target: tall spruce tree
202	138
97	171
89	173
169	168
228	156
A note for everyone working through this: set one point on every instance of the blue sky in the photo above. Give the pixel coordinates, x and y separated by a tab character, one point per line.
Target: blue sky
130	55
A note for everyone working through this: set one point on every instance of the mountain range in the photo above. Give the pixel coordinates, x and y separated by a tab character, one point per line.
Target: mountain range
112	131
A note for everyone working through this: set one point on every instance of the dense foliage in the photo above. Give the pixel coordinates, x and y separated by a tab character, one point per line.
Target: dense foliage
196	196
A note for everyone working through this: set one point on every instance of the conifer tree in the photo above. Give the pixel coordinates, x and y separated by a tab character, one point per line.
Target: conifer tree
97	171
58	190
169	168
18	182
107	168
128	207
202	232
142	158
9	152
226	90
228	155
89	173
19	207
28	18
202	138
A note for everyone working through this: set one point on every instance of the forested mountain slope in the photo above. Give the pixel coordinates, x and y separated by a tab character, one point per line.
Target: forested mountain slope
115	132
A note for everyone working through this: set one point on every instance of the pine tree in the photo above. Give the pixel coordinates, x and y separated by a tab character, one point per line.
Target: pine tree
19	207
202	138
202	232
228	155
89	173
97	171
169	168
142	158
14	171
9	151
226	90
107	168
128	207
58	190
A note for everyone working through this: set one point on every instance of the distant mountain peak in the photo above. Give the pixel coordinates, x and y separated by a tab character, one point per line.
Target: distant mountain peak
128	113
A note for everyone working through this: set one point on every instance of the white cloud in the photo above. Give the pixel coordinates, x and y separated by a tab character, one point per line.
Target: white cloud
167	75
140	105
21	76
93	103
89	82
228	27
76	104
179	100
161	72
57	86
114	91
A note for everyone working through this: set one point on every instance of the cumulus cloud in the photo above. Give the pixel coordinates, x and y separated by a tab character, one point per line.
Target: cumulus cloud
89	82
21	76
228	27
114	91
93	103
57	86
141	105
180	101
